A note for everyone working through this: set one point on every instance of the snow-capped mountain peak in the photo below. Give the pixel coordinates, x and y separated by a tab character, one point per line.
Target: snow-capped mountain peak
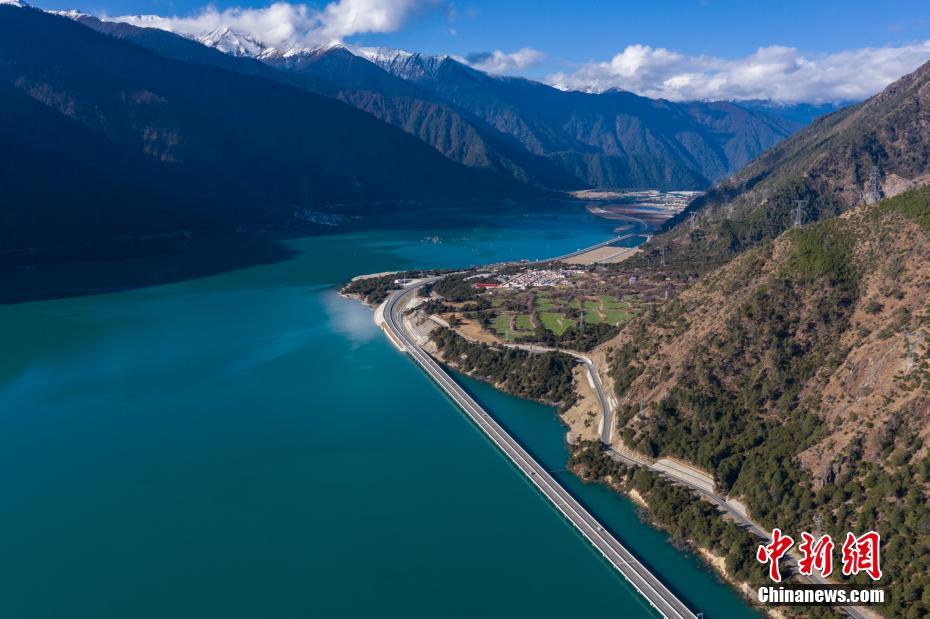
239	43
70	14
18	3
233	43
408	65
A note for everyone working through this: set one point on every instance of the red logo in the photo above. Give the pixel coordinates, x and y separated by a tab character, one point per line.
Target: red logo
861	554
817	555
771	553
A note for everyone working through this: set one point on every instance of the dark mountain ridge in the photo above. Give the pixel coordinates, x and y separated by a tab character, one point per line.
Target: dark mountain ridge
337	73
119	140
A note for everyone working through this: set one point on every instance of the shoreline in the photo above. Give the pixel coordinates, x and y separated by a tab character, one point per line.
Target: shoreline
711	560
708	559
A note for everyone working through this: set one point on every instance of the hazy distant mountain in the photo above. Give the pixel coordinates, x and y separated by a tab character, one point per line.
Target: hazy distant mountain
831	162
103	138
853	157
802	113
613	139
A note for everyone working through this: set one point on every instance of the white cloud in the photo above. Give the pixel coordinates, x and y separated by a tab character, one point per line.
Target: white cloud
502	62
286	25
775	72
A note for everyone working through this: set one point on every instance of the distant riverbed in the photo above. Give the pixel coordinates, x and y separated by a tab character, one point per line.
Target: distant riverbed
248	444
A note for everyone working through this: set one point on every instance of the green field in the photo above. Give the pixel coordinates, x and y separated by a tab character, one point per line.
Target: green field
556	322
502	322
592	313
544	303
607	310
524	323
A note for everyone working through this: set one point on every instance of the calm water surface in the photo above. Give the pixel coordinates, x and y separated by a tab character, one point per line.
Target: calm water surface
249	445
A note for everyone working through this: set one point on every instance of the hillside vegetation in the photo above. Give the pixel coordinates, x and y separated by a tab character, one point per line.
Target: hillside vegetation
546	377
799	375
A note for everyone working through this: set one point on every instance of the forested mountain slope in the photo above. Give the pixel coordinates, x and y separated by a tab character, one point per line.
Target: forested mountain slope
799	375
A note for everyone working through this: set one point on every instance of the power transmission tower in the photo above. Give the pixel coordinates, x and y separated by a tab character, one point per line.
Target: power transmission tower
910	351
729	210
693	220
818	524
874	190
663	256
799	213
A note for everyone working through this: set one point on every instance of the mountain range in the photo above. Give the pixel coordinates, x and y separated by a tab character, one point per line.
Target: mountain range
533	132
219	131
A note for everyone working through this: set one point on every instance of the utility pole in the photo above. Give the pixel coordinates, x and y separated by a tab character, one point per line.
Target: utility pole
799	213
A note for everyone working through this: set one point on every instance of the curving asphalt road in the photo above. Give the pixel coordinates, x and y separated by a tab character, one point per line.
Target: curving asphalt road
719	501
643	580
635	572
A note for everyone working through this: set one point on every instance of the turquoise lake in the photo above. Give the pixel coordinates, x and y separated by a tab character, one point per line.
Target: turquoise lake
249	444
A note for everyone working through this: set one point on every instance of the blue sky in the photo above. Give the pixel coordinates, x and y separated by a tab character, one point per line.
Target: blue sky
585	30
665	46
